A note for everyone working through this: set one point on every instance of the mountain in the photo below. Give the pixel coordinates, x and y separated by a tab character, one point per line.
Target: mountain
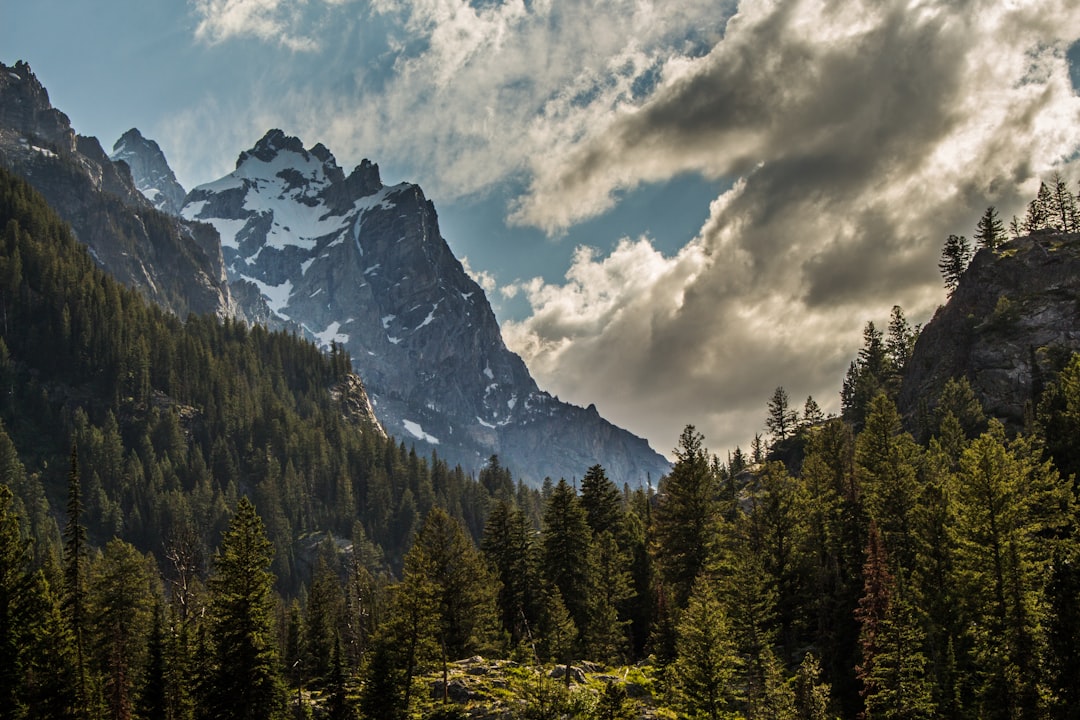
174	263
1010	325
151	172
356	263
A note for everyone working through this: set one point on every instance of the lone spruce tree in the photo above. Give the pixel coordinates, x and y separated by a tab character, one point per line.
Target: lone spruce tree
244	681
955	257
990	232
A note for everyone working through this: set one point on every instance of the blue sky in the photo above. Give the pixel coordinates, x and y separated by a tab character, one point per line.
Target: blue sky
674	207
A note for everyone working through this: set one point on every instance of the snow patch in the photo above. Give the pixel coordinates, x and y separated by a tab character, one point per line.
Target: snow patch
331	334
386	320
487	371
417	432
485	424
277	296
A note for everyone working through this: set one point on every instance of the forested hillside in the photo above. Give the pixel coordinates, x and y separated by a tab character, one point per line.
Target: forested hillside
191	526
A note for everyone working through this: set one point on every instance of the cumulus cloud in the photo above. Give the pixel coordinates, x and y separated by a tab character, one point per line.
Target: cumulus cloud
483	278
863	134
858	134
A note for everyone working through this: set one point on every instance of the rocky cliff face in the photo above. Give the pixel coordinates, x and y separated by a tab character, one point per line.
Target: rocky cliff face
151	172
1010	324
353	262
173	263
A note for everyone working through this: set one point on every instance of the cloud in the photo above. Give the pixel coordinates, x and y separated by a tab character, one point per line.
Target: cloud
267	20
464	93
483	278
863	134
860	134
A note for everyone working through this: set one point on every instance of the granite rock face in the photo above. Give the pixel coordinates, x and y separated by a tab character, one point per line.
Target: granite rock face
173	263
1008	327
358	264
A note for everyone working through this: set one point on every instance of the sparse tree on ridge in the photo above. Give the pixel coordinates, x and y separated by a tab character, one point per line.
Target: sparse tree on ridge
990	232
782	420
1064	210
955	257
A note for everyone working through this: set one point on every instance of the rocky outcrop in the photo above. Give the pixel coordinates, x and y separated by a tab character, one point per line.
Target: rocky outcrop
151	172
1008	327
355	263
173	263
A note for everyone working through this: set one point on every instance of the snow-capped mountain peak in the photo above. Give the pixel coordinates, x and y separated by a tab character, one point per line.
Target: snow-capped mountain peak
347	260
153	176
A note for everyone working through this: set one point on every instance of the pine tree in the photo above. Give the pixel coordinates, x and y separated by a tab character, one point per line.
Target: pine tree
566	561
17	615
811	694
75	581
900	343
707	662
463	589
606	632
120	603
244	681
782	420
955	257
990	232
887	459
812	415
687	516
602	502
508	547
1008	503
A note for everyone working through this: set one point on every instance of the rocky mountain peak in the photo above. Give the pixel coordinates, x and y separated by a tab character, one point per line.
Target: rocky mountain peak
25	109
351	262
150	171
174	264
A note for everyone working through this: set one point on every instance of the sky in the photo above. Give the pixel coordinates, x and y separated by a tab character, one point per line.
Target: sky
674	207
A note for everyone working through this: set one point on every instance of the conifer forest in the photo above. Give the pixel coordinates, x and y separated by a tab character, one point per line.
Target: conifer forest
193	526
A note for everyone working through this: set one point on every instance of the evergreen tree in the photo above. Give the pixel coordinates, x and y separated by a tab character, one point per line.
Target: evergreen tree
75	582
1064	210
566	561
867	376
686	517
17	613
508	547
782	420
606	632
990	232
811	694
900	343
120	602
707	662
602	502
887	460
463	589
152	700
1039	210
244	681
955	257
1009	503
812	415
325	611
